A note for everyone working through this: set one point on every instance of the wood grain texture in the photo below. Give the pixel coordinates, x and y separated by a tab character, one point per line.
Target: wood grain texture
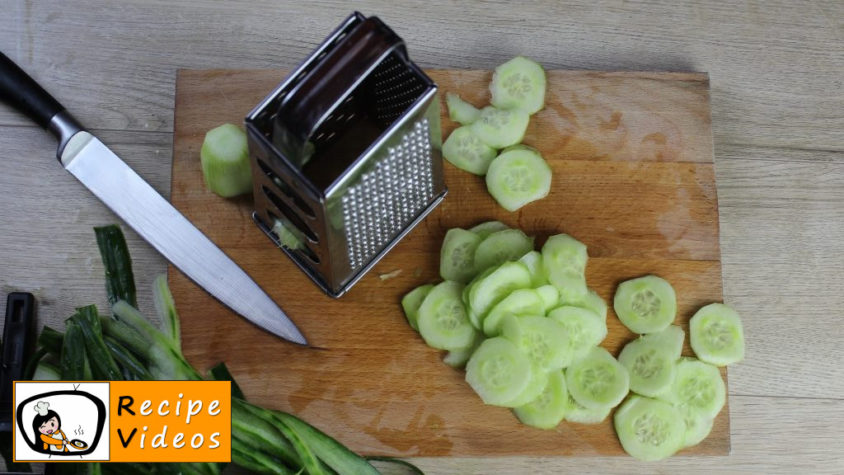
631	155
775	69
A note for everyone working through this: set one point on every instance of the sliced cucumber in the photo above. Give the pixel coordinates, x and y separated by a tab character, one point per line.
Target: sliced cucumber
498	372
443	322
716	335
500	128
584	328
473	316
521	146
467	152
649	429
564	260
224	157
457	255
698	386
518	177
548	409
550	297
488	227
583	415
671	339
498	284
698	426
591	301
597	380
519	302
541	339
411	303
651	366
500	247
288	236
646	304
460	110
457	358
533	261
519	83
538	381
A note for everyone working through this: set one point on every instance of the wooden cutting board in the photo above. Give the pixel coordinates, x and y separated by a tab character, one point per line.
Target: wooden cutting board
633	178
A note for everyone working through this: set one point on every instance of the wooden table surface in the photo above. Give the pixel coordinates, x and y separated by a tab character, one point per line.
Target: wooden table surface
776	70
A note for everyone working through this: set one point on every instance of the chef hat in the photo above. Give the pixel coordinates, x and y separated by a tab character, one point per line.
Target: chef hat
42	407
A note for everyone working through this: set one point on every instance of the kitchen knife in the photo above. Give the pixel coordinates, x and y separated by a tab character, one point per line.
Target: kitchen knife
141	207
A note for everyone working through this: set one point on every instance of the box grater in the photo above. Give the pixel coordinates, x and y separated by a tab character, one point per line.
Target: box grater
345	154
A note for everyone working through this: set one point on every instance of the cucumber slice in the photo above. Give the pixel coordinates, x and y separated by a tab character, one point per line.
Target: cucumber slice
467	152
649	429
518	177
697	386
457	255
548	409
521	146
224	157
519	83
533	261
486	228
288	236
564	260
519	302
584	328
550	297
698	426
671	339
538	381
541	339
498	372
646	304
458	357
490	290
460	110
443	322
597	380
591	301
716	335
473	316
651	366
500	247
583	415
411	302
500	128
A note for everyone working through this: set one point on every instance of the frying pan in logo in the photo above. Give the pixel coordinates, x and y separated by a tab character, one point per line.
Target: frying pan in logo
78	444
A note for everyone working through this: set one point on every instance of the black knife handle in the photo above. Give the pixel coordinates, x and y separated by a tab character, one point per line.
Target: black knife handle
17	341
20	91
23	93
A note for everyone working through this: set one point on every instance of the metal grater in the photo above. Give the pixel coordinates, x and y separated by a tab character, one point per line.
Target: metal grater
345	154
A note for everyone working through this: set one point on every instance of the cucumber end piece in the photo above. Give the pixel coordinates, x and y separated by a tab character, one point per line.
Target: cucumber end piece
224	158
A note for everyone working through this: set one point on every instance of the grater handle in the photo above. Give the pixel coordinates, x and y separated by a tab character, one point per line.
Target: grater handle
330	80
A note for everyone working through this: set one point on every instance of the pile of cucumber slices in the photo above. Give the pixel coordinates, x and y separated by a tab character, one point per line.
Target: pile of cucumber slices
528	331
489	140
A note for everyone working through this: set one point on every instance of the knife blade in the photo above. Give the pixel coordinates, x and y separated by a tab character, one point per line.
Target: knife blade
142	208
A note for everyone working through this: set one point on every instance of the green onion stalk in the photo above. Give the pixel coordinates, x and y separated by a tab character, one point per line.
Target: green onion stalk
128	347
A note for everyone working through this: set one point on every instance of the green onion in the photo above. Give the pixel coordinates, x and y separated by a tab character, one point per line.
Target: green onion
120	281
127	346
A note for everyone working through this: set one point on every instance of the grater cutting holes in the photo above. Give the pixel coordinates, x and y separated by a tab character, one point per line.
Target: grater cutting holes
345	154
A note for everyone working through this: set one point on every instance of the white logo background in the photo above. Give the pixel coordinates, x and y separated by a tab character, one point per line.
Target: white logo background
78	419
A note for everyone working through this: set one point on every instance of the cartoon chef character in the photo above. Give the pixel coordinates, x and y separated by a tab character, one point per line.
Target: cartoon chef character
48	424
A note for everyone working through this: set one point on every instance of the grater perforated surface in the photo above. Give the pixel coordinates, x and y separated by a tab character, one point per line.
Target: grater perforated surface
394	88
389	196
